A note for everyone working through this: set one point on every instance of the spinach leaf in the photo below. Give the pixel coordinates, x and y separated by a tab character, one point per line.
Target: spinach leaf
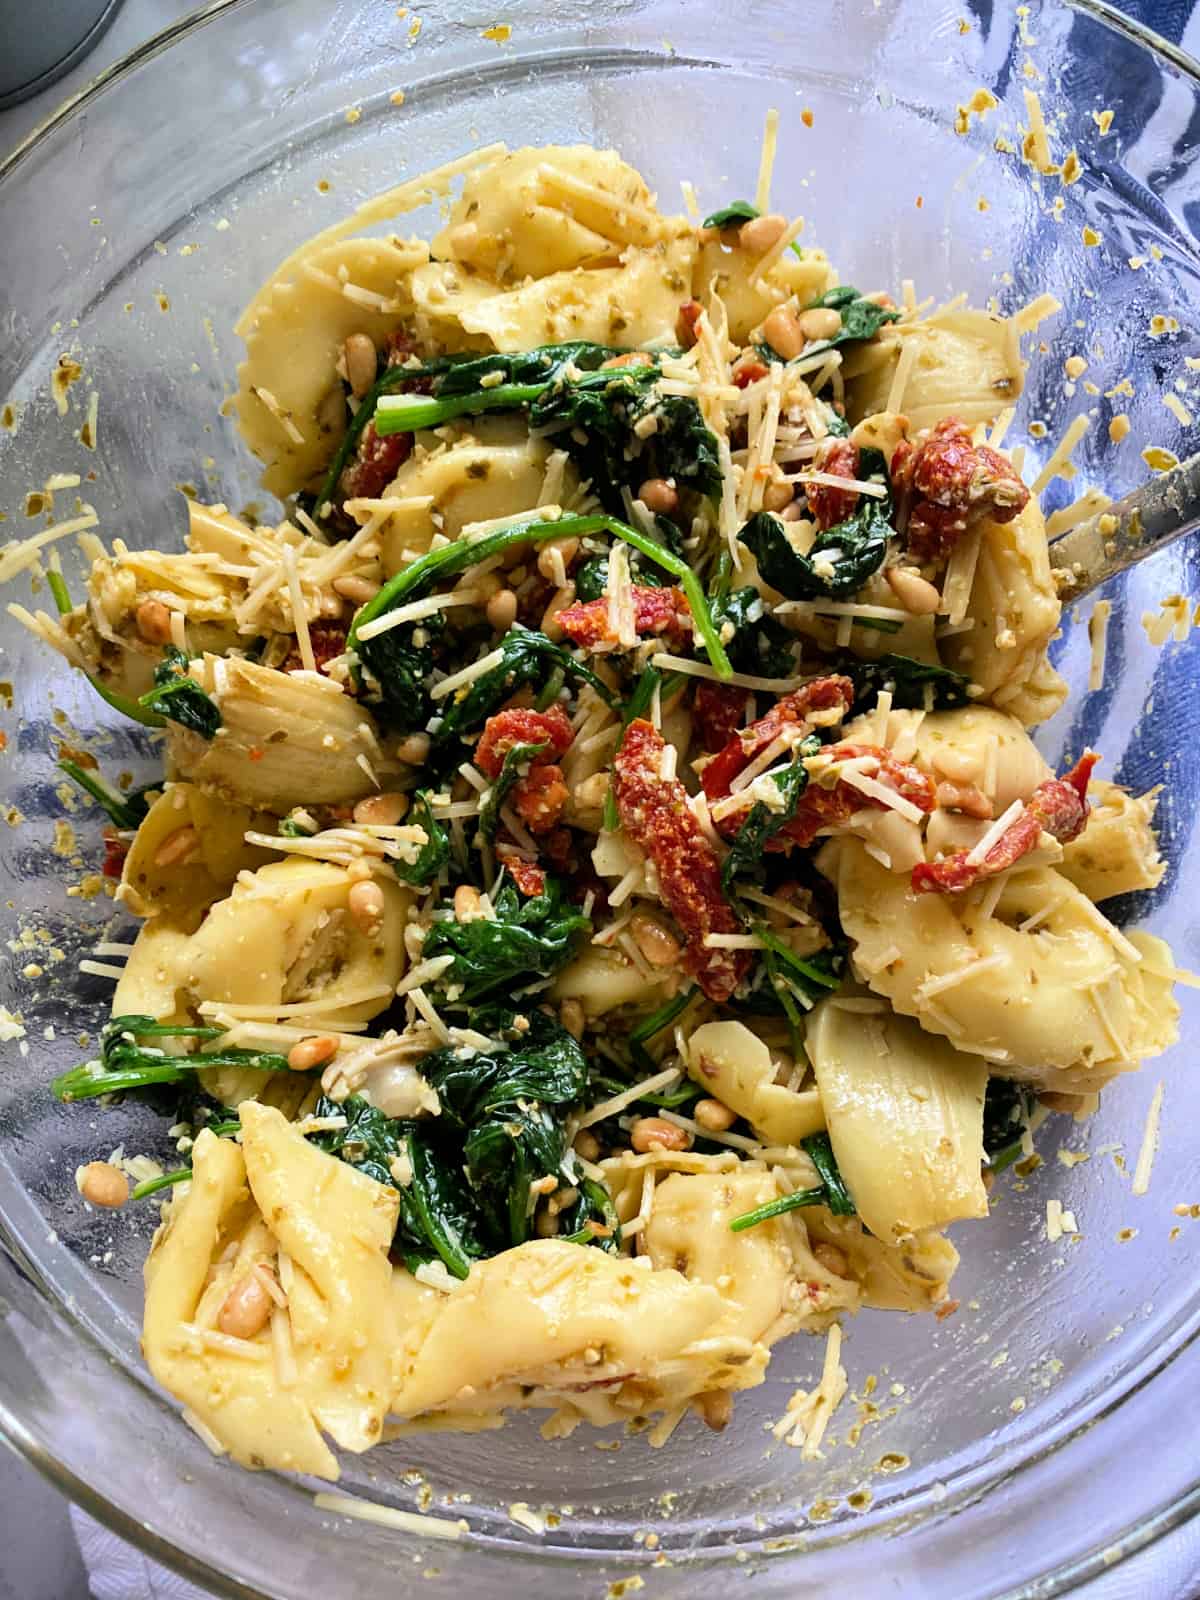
760	645
682	447
180	698
591	576
795	983
525	657
745	858
124	810
735	211
854	548
1007	1107
595	1206
126	1063
914	685
527	939
400	667
433	854
518	757
831	1192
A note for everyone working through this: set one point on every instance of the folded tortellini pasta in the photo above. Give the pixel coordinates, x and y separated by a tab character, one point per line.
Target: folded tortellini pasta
1117	852
1066	1001
968	365
169	872
320	1362
735	1067
284	740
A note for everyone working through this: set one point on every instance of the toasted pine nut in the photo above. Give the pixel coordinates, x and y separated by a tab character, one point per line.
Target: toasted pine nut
631	358
176	847
957	765
547	564
964	797
314	1052
154	622
660	948
760	233
587	1146
777	494
655	1133
361	361
382	810
792	512
545	1224
832	1259
502	610
820	322
466	904
560	600
356	589
570	1014
590	794
246	1309
366	903
657	495
783	332
915	593
714	1116
102	1184
716	1408
413	751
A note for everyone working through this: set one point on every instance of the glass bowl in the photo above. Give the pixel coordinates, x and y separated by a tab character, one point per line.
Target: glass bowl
988	1453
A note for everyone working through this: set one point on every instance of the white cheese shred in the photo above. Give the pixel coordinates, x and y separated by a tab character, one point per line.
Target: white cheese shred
1145	1160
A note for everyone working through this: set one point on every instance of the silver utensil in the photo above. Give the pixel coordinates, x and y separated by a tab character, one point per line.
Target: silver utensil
1144	522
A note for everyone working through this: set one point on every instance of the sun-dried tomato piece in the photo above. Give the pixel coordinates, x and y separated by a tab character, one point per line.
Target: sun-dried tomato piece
749	370
539	797
519	725
690	313
115	851
796	709
328	641
376	462
654	812
953	485
718	711
822	807
664	613
529	878
827	507
1058	807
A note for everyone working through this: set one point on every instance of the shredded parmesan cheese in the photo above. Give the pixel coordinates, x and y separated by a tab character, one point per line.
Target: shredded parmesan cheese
1060	456
1145	1160
388	1517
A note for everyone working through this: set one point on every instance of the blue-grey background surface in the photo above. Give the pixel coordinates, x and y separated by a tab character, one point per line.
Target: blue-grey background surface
39	1556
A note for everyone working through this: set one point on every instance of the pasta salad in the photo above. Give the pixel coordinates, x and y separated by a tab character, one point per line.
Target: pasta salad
603	910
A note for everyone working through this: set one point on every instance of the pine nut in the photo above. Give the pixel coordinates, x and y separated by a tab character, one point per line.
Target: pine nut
570	1014
312	1053
102	1184
964	797
783	332
361	361
561	600
760	233
568	549
777	494
176	847
820	322
355	589
467	904
655	1133
714	1116
587	1146
545	1224
246	1310
657	495
915	593
414	750
154	622
792	512
832	1259
382	810
502	610
591	793
660	948
715	1406
365	901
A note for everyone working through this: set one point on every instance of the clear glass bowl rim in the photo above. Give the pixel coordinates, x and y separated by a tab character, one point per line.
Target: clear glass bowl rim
1063	1579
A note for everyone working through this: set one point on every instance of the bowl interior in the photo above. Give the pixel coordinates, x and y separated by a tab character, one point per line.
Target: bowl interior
138	272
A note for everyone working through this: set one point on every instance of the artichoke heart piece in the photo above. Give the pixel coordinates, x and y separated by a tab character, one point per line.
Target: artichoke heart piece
285	935
284	740
728	1062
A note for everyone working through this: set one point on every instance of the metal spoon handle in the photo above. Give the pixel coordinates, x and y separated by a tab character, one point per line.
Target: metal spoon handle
1144	522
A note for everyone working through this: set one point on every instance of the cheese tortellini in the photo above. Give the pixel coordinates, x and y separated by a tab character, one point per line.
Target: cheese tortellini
735	1067
1117	853
968	365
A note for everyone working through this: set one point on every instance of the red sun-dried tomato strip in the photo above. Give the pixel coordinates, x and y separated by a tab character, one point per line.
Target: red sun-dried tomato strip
539	797
654	812
822	808
822	694
115	851
328	640
718	711
519	725
664	613
827	506
529	878
1058	807
953	484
